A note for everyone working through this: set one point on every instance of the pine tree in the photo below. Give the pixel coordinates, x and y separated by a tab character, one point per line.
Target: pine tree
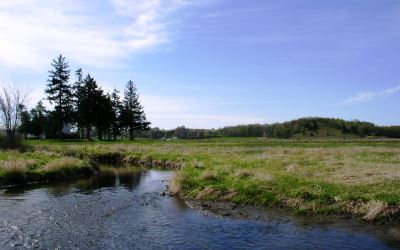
133	117
104	107
78	88
25	126
117	110
87	103
59	92
39	119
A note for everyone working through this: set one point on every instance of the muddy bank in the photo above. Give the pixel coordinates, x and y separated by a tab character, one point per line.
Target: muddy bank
387	231
377	214
237	211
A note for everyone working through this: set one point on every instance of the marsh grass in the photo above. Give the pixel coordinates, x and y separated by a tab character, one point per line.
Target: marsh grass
16	171
308	176
21	168
65	167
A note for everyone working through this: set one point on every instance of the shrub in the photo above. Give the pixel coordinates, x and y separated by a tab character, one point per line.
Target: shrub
7	142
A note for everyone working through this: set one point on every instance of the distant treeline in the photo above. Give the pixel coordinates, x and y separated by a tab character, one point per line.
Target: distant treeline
300	128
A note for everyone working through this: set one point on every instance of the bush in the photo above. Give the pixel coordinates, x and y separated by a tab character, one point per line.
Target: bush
13	142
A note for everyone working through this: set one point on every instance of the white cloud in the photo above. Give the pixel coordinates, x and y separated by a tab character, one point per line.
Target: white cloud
368	96
172	111
35	31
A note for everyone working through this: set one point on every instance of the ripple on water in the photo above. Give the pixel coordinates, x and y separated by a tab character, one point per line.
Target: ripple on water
120	209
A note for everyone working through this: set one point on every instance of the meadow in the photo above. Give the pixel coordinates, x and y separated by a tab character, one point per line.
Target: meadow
357	177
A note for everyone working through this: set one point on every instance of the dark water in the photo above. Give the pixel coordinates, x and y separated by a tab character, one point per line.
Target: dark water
122	209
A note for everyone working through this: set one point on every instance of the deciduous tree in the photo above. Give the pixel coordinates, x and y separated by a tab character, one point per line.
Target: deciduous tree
12	100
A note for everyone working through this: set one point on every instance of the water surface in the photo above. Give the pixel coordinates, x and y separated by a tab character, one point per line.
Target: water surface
123	208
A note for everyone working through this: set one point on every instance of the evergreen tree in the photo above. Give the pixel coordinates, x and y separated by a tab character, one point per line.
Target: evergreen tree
117	108
104	107
78	88
25	126
133	117
94	108
39	120
87	104
59	92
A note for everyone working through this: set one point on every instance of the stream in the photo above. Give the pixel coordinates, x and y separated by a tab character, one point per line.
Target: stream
121	208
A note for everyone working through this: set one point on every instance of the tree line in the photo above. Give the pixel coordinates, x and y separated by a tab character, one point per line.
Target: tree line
85	106
300	128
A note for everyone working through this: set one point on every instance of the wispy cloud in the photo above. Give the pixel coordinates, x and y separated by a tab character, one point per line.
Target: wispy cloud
90	32
368	96
234	12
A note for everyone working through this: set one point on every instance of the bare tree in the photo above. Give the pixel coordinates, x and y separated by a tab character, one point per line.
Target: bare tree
12	100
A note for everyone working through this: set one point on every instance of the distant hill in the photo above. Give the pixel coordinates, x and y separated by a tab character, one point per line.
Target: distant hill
310	127
314	127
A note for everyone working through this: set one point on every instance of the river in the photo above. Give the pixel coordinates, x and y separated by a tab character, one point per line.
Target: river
123	209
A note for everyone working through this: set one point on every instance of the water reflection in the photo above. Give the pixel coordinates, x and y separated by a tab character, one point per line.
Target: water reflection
112	177
128	177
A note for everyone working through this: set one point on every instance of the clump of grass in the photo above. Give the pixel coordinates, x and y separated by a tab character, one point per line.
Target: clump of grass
15	171
210	175
375	209
16	165
62	164
243	174
66	167
255	174
175	186
263	176
216	194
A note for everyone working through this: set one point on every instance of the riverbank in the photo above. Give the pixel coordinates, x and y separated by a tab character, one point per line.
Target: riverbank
17	168
359	178
345	177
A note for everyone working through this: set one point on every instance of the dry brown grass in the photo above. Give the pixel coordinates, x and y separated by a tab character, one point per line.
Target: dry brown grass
213	193
20	165
210	175
258	174
351	165
375	209
263	176
62	163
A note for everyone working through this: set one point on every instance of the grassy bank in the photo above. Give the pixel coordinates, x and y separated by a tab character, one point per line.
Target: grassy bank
20	168
356	177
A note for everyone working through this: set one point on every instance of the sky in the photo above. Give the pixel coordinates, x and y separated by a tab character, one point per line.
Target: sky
213	63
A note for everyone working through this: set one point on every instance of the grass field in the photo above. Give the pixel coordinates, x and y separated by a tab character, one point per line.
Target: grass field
357	177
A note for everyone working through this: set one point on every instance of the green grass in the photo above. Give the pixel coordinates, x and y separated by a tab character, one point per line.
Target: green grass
308	176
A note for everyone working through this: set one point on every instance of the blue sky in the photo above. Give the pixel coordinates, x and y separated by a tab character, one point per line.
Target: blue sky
211	63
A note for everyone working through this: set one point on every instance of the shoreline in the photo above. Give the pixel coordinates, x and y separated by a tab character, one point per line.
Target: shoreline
374	212
276	216
253	212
